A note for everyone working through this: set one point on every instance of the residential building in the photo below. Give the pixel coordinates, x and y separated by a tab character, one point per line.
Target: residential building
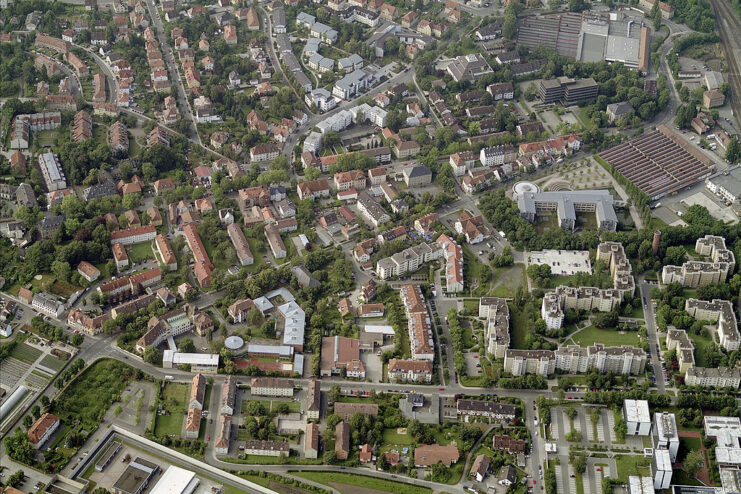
665	434
695	274
43	429
342	441
408	261
720	311
341	355
416	176
271	386
426	455
496	312
713	377
371	210
311	441
51	171
277	247
409	371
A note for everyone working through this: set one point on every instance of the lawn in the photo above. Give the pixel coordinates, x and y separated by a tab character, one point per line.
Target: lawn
632	465
591	335
638	312
140	252
506	281
63	288
175	401
701	342
25	353
391	436
680	477
329	478
520	327
471	305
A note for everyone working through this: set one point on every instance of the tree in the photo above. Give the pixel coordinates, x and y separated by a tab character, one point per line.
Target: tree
17	478
733	152
20	448
187	346
27	421
578	461
153	356
578	5
334	393
439	473
693	462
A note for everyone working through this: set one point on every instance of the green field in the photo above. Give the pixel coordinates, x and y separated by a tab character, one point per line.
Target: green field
701	342
329	478
140	252
632	465
390	436
471	305
25	353
591	335
89	396
175	401
293	406
505	281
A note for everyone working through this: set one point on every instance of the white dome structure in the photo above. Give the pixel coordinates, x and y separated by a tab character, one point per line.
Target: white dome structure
522	187
233	343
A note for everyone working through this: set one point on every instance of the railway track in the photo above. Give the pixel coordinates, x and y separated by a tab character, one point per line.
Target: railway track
728	24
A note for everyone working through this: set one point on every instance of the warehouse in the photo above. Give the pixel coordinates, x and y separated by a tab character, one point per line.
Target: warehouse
176	480
658	162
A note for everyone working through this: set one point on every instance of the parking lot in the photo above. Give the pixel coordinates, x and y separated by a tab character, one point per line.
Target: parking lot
672	206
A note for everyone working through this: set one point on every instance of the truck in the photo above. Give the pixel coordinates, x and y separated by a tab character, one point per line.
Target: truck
169	378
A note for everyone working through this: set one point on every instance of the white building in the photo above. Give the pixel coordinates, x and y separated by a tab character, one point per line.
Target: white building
640	485
176	480
320	97
713	377
43	302
661	466
271	386
550	311
206	363
665	434
51	170
637	418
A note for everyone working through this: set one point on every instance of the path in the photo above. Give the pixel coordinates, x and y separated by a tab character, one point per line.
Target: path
702	475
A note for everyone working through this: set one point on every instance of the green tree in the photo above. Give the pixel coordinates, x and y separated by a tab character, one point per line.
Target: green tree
20	448
733	151
152	355
17	478
693	462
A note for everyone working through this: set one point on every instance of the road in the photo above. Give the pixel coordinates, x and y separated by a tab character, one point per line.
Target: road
653	340
177	82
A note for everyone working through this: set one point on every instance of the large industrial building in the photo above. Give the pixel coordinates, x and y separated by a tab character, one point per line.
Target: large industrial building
589	37
659	162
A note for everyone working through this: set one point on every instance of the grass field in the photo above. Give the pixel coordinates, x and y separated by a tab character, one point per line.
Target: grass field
63	288
176	402
471	305
390	436
25	353
701	342
328	478
591	335
93	392
505	281
140	252
632	465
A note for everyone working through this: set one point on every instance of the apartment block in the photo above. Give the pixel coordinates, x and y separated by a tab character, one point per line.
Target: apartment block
695	274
